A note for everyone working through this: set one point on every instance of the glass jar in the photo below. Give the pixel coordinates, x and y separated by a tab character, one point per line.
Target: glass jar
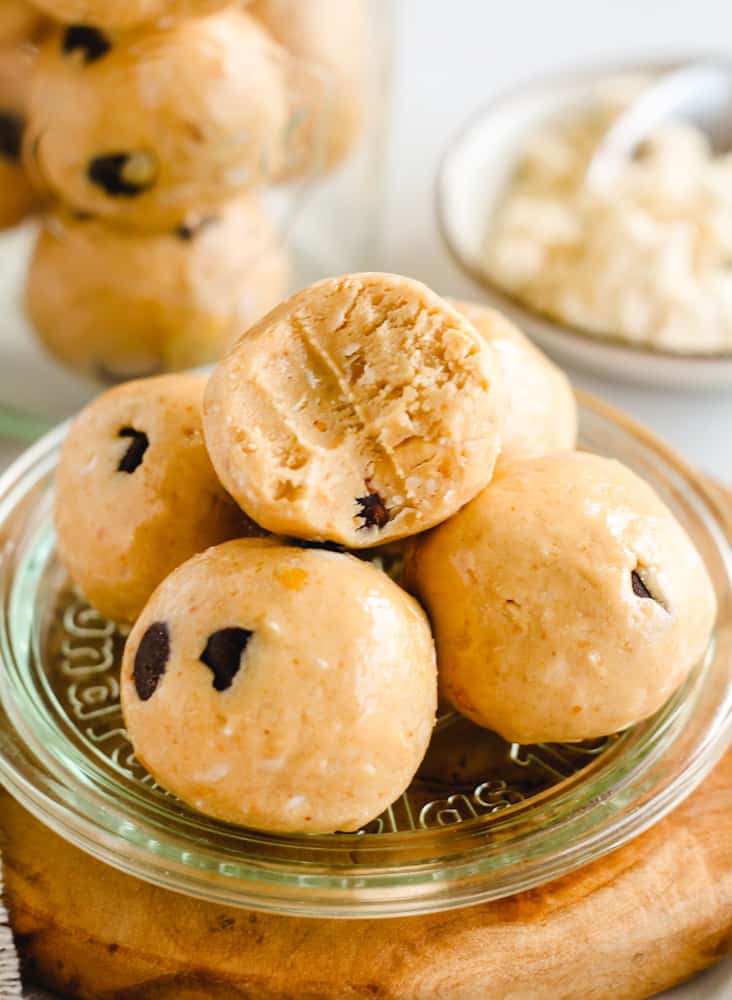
483	819
169	171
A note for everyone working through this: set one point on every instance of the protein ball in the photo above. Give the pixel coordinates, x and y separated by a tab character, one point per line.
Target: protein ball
541	412
361	410
17	197
136	494
286	689
326	40
157	121
125	14
19	22
115	304
567	602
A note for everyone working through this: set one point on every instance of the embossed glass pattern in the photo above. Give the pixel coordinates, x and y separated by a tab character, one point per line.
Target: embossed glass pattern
482	819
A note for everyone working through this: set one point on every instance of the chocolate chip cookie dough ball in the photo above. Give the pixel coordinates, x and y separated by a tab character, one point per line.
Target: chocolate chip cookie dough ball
116	304
138	128
286	689
361	410
17	197
566	600
19	22
326	40
541	411
136	494
124	14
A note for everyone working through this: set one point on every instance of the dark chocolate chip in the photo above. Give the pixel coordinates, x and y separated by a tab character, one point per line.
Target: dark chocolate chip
639	588
108	173
223	654
302	543
91	42
11	135
373	512
135	453
151	659
189	230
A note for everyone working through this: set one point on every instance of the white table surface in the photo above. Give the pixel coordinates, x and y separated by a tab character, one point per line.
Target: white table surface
456	53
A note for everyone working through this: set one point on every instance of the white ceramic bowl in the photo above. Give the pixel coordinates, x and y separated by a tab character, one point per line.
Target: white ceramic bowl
474	171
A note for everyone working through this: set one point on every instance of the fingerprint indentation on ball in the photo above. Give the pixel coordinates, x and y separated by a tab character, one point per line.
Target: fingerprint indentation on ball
374	513
11	135
223	654
117	175
90	42
135	453
151	659
639	587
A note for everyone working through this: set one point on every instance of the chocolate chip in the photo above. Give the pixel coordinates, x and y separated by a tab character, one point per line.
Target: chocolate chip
189	229
639	588
151	659
374	511
91	42
139	444
302	543
123	175
11	135
223	654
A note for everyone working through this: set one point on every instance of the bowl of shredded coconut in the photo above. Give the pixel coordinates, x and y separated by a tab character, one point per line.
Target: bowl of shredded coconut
633	278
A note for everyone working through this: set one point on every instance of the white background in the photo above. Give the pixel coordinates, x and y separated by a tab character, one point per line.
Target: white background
456	53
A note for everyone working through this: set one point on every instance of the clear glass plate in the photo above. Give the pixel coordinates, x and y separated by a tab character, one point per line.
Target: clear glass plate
483	819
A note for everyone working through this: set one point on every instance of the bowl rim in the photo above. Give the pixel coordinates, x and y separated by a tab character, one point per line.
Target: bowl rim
585	72
381	886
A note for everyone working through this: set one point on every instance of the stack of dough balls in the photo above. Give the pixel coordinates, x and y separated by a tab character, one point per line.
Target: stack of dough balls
153	128
21	26
275	676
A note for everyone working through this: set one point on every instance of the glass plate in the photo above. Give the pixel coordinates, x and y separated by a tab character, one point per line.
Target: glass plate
483	818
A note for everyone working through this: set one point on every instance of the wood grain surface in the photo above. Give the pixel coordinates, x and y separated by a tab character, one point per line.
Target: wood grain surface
642	919
631	924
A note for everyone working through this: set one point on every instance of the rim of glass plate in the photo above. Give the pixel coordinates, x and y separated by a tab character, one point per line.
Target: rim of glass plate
649	770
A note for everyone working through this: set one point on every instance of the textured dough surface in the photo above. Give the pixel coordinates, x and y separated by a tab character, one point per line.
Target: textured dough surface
541	411
116	304
123	14
540	632
17	197
327	42
119	533
362	410
330	711
162	120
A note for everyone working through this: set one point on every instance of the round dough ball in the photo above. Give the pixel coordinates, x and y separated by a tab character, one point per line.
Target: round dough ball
327	42
136	494
362	410
17	197
138	129
566	600
19	22
124	14
115	303
286	689
541	413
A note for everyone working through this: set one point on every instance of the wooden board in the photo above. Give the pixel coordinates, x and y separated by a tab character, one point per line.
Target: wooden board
623	928
631	924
